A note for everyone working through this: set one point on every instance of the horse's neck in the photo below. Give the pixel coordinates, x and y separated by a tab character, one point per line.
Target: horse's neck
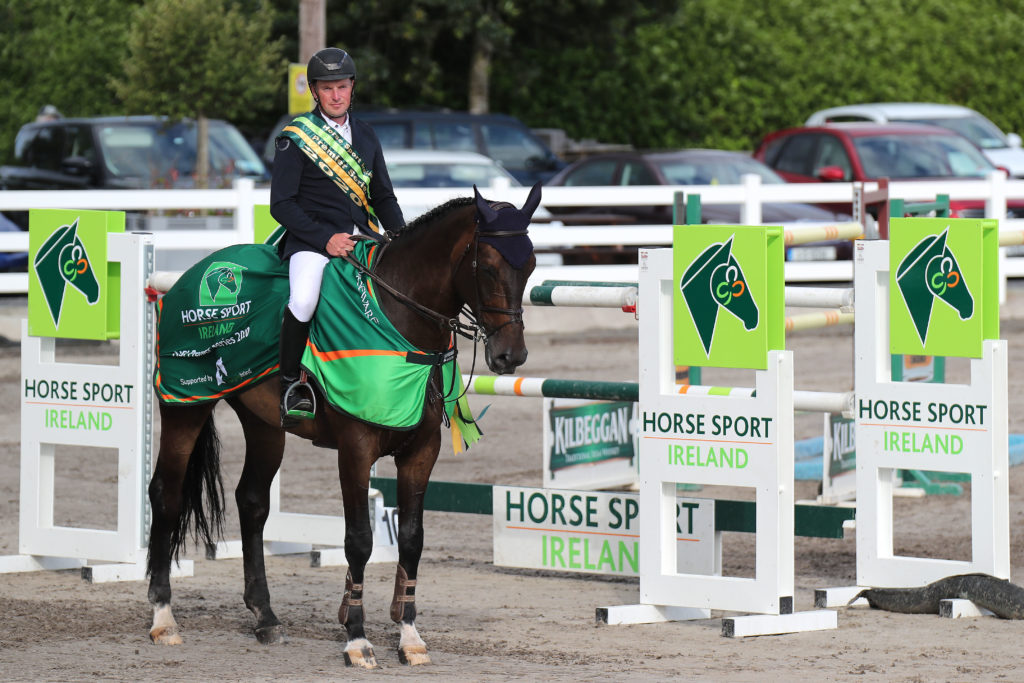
420	266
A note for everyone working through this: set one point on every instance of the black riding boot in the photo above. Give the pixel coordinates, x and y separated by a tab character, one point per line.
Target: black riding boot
296	397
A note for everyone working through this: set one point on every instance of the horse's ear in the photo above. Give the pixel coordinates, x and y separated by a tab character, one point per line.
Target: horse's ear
483	207
532	201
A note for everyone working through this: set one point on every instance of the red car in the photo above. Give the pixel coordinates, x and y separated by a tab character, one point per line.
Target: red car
844	152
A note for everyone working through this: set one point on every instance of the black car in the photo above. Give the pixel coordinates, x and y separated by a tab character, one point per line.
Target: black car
503	138
692	167
121	152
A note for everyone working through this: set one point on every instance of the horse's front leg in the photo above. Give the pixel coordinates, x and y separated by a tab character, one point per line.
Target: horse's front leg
355	456
414	470
264	449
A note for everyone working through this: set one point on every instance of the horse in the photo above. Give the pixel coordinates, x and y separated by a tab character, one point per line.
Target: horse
928	272
466	253
714	282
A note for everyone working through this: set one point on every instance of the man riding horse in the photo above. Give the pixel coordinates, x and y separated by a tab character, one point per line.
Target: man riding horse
329	184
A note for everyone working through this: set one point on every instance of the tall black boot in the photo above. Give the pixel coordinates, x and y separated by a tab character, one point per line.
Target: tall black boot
296	397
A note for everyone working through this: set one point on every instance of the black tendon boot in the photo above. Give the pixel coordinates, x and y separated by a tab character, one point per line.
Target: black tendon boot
297	401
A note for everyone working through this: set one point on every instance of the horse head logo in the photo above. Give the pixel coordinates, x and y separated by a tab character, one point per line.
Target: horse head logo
715	281
929	272
62	260
221	283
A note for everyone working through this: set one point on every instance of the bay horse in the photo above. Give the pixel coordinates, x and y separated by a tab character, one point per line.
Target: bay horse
467	253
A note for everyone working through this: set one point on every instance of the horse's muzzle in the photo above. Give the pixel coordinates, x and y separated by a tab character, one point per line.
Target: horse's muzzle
505	359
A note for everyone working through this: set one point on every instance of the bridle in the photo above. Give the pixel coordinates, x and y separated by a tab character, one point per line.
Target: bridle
474	329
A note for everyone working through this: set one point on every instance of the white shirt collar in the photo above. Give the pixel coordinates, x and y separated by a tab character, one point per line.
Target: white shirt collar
345	129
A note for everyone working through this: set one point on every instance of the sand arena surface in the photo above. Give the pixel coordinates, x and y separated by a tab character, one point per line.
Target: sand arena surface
482	622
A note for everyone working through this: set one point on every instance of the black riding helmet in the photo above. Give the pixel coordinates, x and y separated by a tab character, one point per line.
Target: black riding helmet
330	64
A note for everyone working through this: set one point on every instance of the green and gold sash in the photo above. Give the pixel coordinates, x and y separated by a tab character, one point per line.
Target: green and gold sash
336	158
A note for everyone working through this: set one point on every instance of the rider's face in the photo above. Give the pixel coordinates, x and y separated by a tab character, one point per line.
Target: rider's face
334	96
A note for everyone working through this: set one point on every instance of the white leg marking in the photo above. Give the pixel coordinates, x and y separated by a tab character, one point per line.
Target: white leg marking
165	628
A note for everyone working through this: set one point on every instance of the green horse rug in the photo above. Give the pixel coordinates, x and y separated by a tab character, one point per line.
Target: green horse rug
218	329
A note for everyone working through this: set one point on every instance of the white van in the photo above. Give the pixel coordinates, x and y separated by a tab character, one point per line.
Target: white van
1002	149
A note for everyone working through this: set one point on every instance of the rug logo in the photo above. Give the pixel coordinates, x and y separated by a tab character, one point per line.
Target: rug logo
221	284
712	282
928	272
61	261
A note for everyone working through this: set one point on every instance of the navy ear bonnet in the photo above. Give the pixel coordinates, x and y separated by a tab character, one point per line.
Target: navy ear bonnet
515	249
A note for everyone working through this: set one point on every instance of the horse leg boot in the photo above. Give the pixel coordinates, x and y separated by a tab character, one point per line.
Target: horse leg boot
296	396
411	648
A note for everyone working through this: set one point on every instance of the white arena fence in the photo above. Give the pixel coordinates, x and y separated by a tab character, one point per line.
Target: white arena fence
239	200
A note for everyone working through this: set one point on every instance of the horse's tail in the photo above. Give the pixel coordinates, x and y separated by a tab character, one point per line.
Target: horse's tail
202	479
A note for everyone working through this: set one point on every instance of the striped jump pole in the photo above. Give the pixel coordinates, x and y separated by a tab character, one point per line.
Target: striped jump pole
808	321
812	233
540	387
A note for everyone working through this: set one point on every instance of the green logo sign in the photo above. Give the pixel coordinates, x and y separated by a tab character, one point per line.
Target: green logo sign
266	229
61	262
728	309
221	283
714	282
938	286
928	273
73	291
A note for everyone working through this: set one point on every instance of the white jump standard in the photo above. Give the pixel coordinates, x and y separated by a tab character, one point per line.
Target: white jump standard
713	439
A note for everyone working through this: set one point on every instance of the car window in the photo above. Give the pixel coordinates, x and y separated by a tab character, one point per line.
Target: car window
422	138
715	171
797	155
230	154
978	130
600	172
78	143
831	153
511	146
455	137
391	135
920	156
44	149
636	173
444	175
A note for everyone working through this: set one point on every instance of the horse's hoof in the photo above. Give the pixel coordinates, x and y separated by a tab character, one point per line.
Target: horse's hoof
165	635
413	655
361	656
269	635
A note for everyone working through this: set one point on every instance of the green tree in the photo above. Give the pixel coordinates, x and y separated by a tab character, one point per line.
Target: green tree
61	53
202	59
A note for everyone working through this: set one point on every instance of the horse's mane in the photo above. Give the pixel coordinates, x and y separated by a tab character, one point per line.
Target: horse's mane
435	213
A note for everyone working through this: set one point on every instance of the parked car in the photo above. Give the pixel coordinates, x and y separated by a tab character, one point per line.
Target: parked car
843	152
458	171
1002	149
693	167
123	152
119	152
502	138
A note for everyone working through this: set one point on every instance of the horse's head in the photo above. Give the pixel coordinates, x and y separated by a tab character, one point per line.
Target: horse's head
75	267
503	263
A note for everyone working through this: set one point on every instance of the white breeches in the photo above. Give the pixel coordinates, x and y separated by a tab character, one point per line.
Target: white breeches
305	272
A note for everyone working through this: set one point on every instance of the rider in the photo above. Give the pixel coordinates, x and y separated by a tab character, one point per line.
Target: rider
329	183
